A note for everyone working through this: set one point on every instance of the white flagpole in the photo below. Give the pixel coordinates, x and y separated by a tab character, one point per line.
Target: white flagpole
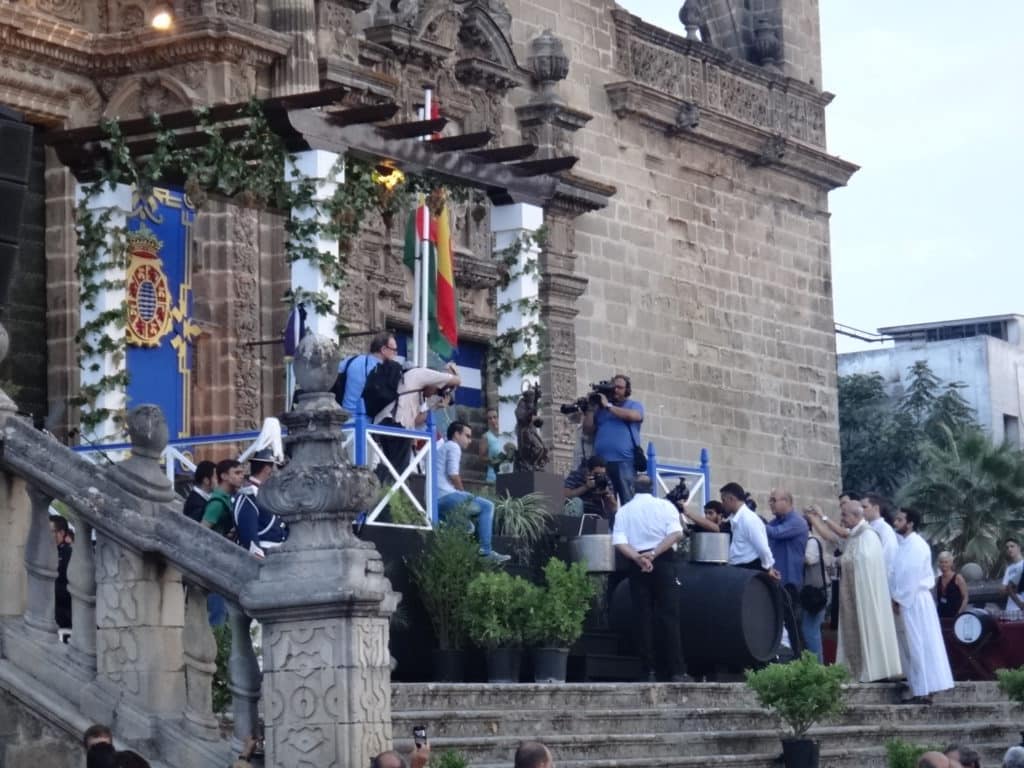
425	272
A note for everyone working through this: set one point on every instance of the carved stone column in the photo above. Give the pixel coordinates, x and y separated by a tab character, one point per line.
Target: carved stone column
322	598
550	124
297	72
244	674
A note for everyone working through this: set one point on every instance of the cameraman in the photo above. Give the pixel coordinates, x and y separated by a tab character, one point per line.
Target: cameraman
589	483
615	425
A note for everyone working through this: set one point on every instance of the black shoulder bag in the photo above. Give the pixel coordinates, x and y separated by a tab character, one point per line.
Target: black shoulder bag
813	599
639	457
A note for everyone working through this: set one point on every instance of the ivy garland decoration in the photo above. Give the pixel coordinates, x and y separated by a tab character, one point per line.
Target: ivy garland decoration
504	357
252	171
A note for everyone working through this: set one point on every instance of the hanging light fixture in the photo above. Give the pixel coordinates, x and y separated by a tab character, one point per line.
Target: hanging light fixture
388	177
160	16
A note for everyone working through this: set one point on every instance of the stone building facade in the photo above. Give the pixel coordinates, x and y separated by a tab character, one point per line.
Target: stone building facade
688	247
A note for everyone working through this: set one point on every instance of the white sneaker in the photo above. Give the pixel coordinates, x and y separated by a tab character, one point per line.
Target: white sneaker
495	557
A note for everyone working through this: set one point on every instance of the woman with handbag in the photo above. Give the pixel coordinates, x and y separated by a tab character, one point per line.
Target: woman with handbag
814	594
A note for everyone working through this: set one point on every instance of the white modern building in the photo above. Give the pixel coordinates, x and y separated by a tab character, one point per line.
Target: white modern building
984	353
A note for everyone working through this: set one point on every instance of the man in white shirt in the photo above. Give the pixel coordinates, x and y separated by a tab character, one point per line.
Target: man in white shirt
646	530
1011	579
877	512
749	546
451	495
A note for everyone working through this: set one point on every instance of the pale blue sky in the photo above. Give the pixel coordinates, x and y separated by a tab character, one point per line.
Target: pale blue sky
928	103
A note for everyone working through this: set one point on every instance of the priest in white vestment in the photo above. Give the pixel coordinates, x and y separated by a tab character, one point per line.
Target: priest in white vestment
925	661
867	634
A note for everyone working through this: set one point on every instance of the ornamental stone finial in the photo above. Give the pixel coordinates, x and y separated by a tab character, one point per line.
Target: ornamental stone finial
141	472
692	18
549	64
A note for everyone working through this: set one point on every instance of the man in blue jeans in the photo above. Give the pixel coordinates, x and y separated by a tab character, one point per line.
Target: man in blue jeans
451	494
615	425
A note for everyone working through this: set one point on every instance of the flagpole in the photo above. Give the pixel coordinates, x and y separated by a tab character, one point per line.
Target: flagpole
424	284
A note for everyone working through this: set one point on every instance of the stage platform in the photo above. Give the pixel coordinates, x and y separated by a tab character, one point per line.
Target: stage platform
602	725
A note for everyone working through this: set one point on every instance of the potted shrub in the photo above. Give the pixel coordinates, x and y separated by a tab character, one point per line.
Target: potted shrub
496	603
442	573
522	521
1011	682
555	620
802	692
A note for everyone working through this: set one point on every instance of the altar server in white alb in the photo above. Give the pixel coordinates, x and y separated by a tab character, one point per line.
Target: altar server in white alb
926	664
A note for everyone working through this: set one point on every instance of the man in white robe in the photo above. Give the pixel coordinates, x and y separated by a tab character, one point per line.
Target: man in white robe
867	633
924	658
876	512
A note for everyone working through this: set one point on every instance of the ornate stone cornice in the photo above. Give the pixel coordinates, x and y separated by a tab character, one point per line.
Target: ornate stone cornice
53	42
758	145
473	272
576	195
688	70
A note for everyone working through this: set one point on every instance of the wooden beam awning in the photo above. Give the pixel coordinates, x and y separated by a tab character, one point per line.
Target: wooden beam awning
317	120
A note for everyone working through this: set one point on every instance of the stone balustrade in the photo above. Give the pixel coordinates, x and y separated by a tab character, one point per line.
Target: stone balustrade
141	656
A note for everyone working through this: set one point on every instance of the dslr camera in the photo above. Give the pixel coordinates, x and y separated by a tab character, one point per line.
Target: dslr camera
600	482
592	400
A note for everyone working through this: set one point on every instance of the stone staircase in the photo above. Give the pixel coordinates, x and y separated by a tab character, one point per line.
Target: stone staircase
672	726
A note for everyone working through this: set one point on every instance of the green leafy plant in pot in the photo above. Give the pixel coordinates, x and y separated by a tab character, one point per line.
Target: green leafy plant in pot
442	573
496	608
802	693
556	618
1011	682
524	520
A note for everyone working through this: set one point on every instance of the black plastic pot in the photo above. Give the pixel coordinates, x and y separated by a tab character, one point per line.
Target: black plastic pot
503	665
800	753
449	666
549	664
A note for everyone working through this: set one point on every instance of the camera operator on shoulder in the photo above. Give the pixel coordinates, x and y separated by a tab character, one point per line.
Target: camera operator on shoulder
589	483
614	421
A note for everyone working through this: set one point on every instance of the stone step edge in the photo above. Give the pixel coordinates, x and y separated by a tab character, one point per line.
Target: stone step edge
594	687
682	738
676	710
749	759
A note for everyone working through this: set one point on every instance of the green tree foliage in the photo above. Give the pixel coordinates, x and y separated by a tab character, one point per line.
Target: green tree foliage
883	439
560	608
970	493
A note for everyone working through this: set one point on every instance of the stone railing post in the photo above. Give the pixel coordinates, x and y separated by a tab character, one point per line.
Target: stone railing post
41	567
200	650
140	601
322	597
244	671
82	586
15	521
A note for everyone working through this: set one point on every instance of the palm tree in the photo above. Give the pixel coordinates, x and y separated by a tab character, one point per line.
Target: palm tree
970	493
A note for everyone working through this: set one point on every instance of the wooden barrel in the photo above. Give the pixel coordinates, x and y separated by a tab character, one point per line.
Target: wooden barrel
728	616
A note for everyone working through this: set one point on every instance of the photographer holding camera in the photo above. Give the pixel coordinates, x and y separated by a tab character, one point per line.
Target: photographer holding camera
589	483
614	421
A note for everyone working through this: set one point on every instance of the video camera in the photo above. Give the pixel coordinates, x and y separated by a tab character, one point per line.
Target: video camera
592	400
